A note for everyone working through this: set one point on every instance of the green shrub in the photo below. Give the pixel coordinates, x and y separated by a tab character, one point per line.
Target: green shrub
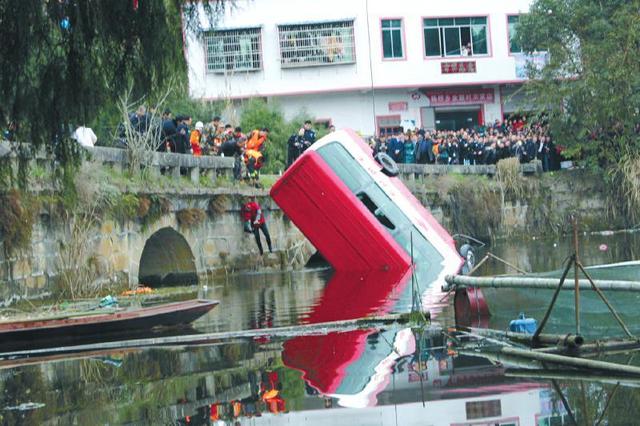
190	217
125	207
17	216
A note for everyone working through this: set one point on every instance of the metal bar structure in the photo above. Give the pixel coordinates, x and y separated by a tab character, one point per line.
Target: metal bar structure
604	299
233	50
313	44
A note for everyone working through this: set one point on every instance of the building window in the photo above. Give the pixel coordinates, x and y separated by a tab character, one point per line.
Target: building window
455	36
233	50
327	43
480	409
514	47
392	39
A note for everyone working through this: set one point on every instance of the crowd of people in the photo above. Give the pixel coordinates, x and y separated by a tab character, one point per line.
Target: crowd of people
479	145
180	135
485	144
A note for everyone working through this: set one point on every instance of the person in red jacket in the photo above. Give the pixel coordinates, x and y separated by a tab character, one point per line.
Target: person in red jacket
254	222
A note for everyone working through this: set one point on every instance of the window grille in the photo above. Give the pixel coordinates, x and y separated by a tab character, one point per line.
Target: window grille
328	43
233	50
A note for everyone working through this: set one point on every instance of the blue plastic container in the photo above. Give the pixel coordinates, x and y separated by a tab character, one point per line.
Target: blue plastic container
523	325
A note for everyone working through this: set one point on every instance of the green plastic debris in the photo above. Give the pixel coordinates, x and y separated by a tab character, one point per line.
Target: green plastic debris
108	301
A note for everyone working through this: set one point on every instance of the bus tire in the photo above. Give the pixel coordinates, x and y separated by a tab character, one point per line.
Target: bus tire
389	167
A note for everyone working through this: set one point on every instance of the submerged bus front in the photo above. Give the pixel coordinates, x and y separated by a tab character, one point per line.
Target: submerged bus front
374	200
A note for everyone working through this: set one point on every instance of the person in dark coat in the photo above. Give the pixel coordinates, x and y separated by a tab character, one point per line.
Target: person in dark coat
169	130
395	147
183	146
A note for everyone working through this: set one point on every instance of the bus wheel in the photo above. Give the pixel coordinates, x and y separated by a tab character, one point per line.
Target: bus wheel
389	167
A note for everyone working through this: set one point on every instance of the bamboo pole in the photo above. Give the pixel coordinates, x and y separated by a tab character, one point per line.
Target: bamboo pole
565	403
576	278
600	347
604	299
525	373
514	267
534	283
569	340
570	361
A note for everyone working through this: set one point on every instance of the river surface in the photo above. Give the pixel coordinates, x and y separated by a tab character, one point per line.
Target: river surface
383	375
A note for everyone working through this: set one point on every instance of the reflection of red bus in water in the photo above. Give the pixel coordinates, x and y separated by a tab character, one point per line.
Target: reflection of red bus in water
358	217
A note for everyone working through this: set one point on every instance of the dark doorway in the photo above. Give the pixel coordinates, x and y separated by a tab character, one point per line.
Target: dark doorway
455	120
167	260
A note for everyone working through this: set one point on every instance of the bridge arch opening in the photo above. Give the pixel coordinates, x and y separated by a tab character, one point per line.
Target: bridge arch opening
167	260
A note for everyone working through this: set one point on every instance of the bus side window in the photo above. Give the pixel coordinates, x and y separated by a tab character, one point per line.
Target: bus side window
377	212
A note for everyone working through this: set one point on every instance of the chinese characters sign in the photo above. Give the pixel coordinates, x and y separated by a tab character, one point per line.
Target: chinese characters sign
461	97
458	67
398	106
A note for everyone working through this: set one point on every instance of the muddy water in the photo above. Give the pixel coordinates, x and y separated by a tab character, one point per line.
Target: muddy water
389	376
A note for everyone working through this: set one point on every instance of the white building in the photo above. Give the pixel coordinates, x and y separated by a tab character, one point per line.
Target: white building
370	65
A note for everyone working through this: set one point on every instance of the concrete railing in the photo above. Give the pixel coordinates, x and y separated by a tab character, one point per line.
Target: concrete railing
420	171
160	162
168	163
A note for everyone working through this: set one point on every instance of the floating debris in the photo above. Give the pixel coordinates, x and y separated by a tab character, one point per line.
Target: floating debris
25	406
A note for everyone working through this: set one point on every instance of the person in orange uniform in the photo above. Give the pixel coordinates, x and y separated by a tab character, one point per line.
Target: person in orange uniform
196	138
253	154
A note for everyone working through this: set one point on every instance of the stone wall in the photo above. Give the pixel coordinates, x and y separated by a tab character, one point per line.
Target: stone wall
218	245
543	207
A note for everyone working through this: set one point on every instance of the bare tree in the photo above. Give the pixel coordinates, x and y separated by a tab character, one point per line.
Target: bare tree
142	130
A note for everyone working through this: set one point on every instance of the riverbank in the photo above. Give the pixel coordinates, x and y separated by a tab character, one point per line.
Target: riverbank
511	206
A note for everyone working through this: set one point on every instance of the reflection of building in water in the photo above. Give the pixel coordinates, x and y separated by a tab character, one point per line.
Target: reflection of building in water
512	408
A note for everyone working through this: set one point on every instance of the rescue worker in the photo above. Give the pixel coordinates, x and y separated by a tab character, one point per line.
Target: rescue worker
253	154
196	138
252	213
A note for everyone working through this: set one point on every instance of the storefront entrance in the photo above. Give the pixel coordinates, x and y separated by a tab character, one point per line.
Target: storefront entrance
457	119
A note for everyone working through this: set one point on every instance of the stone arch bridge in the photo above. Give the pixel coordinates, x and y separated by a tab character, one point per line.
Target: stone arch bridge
163	252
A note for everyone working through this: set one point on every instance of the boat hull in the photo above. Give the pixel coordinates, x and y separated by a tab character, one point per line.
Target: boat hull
60	331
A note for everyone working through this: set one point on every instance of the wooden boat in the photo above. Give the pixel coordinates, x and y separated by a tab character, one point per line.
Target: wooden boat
104	324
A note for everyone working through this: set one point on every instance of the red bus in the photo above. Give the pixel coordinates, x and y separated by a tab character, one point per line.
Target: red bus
361	219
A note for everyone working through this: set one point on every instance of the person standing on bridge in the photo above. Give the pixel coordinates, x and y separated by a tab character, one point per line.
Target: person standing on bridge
254	222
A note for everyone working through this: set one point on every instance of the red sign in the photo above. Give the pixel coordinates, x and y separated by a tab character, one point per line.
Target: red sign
458	67
461	97
398	106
